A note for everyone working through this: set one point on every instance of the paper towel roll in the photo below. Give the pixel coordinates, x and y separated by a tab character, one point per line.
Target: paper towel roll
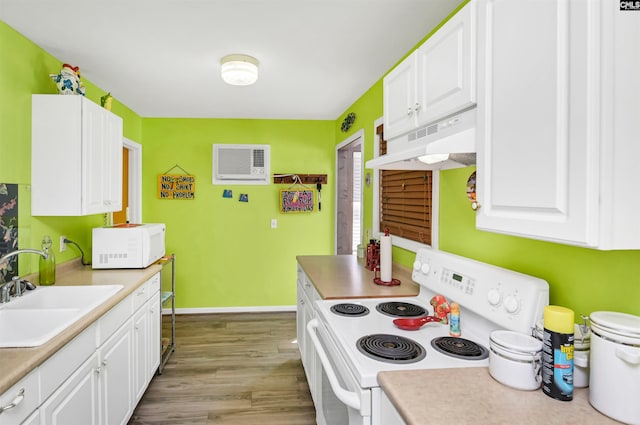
385	258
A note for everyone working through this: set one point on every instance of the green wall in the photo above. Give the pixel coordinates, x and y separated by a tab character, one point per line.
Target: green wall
226	252
24	70
584	280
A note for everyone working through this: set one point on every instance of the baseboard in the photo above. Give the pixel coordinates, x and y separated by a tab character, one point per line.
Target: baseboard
245	309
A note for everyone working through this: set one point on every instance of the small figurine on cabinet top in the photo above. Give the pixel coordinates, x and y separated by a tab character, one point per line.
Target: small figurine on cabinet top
68	80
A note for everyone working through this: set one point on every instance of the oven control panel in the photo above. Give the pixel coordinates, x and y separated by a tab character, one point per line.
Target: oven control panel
513	300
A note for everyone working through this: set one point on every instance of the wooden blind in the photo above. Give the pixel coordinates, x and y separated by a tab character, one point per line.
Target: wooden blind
405	201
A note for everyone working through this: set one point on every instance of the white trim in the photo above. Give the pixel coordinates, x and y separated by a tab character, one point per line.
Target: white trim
351	139
135	179
247	309
435	203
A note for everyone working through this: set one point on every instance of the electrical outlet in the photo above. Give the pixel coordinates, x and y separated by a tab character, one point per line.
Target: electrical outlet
274	223
63	244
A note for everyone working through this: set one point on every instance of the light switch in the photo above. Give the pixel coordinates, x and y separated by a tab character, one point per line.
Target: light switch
274	223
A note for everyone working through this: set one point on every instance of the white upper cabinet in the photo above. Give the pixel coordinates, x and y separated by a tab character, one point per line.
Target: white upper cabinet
436	80
558	123
76	165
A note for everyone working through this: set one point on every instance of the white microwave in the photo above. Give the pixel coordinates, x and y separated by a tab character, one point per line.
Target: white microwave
127	246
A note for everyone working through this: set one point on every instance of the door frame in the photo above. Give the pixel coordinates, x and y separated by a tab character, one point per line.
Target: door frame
135	179
354	137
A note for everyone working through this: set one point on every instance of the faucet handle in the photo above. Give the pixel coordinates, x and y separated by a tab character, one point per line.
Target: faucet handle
17	287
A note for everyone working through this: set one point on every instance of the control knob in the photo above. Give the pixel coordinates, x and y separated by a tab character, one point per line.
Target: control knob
511	304
493	296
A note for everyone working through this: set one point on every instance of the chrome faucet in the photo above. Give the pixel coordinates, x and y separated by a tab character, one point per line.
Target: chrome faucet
15	282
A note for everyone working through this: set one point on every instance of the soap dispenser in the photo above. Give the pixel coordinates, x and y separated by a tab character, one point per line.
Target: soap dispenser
47	266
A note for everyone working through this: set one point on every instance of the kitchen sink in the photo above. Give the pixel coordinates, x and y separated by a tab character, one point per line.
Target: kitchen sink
41	314
84	297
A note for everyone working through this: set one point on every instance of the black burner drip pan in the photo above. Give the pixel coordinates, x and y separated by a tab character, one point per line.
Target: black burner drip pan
400	309
459	348
350	309
391	348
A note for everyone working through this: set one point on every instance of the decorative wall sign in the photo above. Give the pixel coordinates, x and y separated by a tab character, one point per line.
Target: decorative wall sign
176	186
297	200
348	122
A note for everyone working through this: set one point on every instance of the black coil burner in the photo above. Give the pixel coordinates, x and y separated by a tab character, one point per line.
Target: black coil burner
460	348
349	309
391	348
400	309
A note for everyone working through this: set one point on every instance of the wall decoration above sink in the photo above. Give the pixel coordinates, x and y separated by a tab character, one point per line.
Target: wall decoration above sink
8	229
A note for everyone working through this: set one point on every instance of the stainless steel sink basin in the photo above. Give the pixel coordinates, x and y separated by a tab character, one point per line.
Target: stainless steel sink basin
41	314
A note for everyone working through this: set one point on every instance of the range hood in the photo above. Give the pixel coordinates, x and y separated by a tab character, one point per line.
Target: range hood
454	135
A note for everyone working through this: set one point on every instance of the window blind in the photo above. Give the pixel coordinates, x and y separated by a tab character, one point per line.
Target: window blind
405	201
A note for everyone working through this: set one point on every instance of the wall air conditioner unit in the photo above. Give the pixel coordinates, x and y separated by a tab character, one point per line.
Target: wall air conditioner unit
241	164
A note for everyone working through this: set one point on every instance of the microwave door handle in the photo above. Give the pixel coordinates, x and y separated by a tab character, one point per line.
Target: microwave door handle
349	398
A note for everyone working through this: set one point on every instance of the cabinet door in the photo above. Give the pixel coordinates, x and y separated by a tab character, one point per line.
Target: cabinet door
140	351
102	152
399	98
155	343
447	68
536	159
300	321
112	181
116	377
388	413
76	401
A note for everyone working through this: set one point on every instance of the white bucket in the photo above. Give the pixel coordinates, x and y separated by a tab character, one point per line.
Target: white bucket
515	359
615	365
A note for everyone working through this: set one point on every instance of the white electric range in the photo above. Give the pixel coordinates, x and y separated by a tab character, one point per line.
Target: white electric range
354	340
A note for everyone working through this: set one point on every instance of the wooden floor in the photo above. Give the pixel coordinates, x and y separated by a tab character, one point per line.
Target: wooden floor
230	369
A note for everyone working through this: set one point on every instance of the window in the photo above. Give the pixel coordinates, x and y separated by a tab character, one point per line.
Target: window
405	201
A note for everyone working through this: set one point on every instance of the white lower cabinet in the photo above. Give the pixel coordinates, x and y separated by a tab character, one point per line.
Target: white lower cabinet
19	401
99	376
388	413
76	401
116	377
146	345
307	295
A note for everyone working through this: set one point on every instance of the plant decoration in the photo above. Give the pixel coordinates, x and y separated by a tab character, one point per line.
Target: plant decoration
68	80
105	101
348	122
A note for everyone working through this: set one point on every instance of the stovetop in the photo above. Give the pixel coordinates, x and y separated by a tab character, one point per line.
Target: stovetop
490	298
346	331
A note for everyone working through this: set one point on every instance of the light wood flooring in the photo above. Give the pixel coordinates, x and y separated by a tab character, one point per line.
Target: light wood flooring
230	369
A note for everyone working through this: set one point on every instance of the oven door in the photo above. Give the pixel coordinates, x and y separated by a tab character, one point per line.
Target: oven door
340	400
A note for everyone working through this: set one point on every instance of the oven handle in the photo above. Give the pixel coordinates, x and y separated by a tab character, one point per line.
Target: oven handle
349	398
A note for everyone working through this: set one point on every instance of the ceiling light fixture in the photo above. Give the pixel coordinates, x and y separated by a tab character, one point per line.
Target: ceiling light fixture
239	70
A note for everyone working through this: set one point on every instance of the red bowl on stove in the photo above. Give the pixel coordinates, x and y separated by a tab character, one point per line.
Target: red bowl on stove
414	323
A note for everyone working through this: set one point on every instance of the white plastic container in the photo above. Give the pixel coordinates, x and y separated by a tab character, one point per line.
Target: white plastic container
515	359
615	365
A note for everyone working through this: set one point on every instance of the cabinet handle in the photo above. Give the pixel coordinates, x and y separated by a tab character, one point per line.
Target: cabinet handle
409	111
417	107
14	402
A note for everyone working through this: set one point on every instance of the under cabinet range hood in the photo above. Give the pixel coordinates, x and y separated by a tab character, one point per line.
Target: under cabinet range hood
449	143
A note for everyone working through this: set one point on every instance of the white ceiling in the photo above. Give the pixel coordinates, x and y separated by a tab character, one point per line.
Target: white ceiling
161	58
